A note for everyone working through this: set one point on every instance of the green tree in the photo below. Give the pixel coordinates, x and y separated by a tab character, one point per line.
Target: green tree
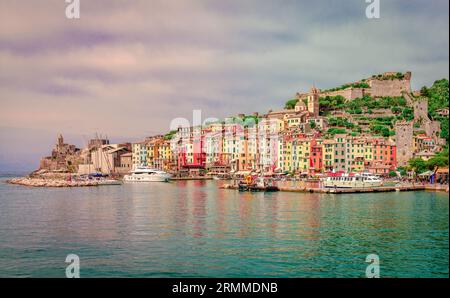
424	91
385	132
330	103
438	161
290	104
170	135
334	131
392	174
418	165
444	129
396	110
402	171
408	114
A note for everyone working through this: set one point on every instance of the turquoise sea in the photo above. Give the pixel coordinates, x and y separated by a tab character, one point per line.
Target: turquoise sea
195	229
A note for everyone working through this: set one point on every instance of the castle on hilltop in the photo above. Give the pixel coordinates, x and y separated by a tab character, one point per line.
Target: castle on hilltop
386	84
417	138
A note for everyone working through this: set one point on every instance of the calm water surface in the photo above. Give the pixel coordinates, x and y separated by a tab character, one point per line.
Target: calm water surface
194	229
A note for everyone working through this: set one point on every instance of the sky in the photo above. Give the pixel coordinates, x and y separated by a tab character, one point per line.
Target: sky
125	69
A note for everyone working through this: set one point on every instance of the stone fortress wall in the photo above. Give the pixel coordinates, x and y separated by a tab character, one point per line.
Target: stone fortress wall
349	93
381	87
386	84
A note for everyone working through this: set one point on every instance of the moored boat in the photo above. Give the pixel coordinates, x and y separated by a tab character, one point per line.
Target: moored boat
363	180
257	184
145	174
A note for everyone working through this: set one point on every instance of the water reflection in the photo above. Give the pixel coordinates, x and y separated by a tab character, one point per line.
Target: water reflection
193	228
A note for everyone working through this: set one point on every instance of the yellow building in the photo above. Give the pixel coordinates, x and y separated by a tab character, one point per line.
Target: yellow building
368	152
328	154
303	150
285	158
357	154
164	156
152	152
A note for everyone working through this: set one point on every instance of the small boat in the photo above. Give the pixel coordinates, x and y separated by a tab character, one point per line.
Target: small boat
258	184
363	180
145	174
243	186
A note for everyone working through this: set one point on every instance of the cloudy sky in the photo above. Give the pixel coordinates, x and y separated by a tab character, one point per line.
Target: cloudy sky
127	68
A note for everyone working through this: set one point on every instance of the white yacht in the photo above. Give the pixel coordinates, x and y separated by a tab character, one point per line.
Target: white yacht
145	174
363	180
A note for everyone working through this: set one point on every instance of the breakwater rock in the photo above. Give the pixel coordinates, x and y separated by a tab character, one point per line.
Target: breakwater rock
40	182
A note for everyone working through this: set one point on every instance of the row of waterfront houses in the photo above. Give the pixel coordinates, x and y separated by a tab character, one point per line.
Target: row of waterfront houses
266	147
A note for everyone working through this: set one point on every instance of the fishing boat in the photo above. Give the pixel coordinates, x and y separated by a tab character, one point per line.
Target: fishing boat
145	174
363	180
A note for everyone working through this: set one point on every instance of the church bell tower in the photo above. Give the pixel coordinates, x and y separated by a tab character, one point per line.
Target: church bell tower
313	102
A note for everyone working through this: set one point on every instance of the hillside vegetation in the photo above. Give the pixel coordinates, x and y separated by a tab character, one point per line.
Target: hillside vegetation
362	108
437	96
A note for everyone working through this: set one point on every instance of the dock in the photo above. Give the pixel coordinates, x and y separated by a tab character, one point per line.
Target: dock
418	187
356	190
